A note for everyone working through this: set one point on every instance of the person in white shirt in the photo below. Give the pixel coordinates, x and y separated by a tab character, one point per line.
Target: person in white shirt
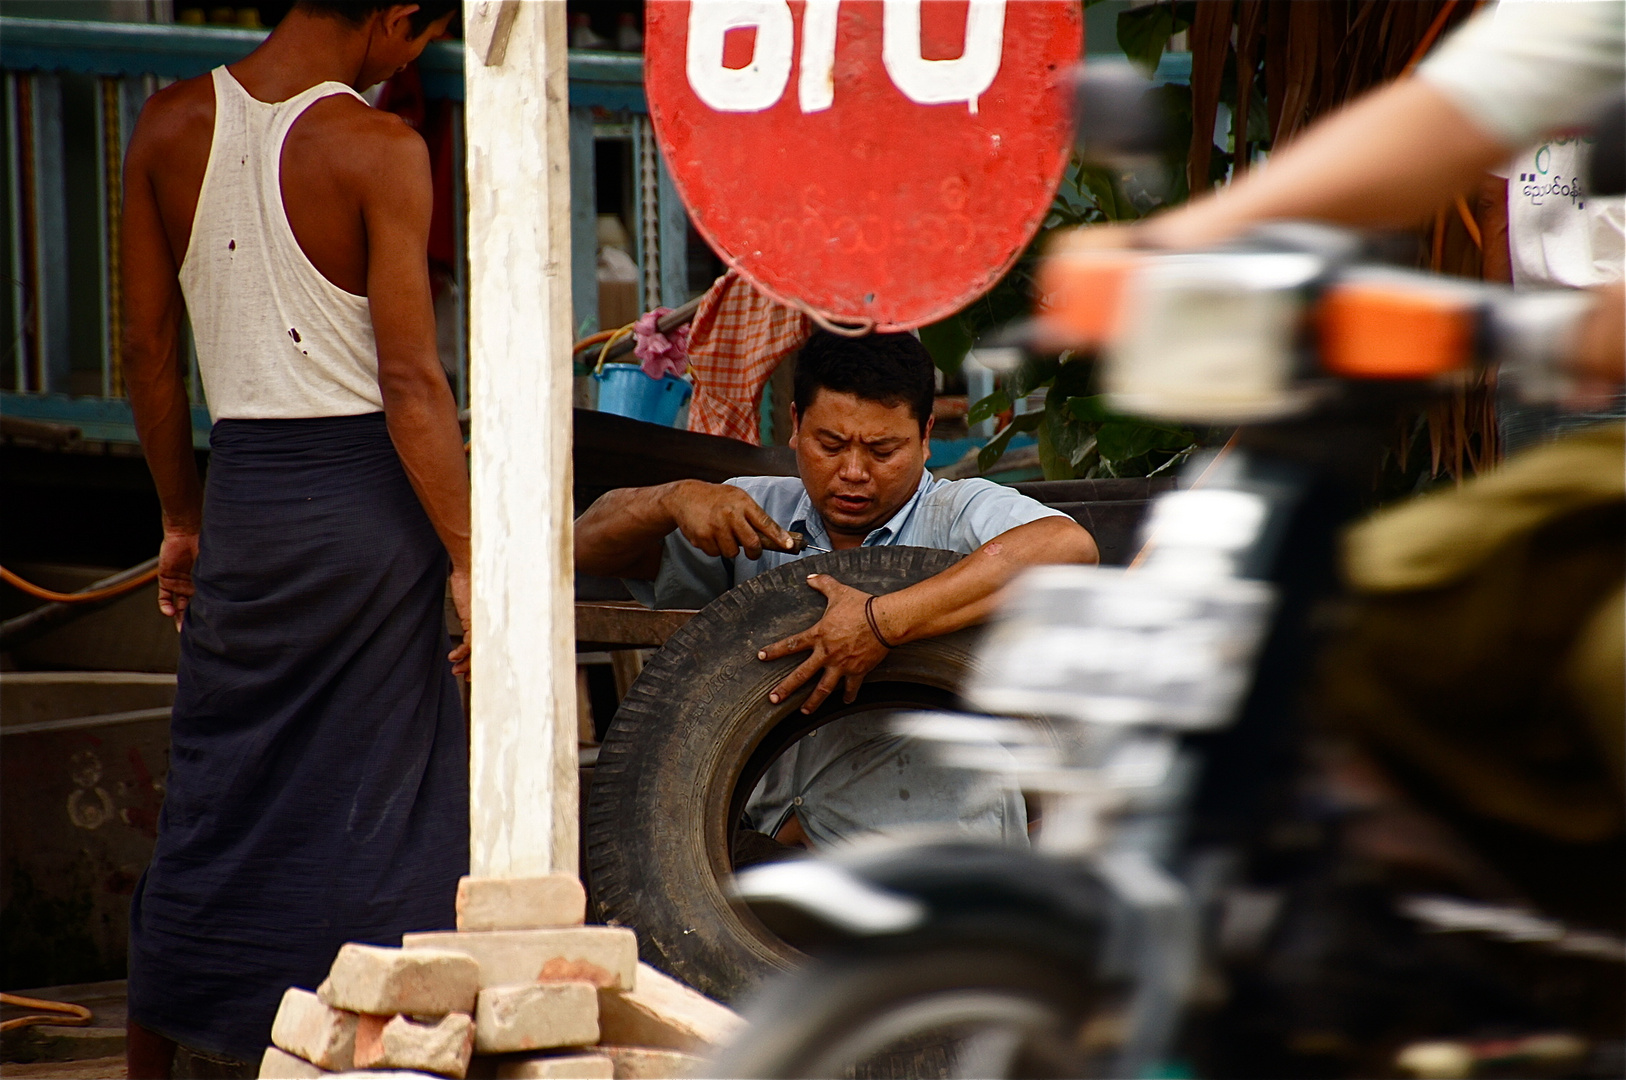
1543	230
1502	82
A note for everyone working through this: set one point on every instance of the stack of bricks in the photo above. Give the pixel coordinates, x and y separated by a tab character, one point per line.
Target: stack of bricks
521	989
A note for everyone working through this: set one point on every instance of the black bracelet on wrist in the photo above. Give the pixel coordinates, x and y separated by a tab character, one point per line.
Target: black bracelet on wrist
875	627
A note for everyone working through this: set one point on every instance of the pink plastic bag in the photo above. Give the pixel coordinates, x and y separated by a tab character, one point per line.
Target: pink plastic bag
661	354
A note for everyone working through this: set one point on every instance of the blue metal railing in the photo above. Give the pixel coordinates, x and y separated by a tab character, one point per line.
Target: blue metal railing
62	187
61	176
612	81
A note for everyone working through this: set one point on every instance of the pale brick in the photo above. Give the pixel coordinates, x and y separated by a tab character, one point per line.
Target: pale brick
423	982
520	903
319	1033
642	1063
443	1047
567	1067
536	1016
661	1012
281	1065
606	956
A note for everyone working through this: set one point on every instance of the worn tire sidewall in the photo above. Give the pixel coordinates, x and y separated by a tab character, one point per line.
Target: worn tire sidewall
657	828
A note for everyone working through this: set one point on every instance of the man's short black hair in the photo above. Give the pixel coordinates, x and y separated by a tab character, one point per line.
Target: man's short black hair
356	12
893	369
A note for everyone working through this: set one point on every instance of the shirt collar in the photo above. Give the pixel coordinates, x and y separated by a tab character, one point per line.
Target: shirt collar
806	519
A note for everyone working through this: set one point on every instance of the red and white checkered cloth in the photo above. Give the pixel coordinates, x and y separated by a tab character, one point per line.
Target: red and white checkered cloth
737	338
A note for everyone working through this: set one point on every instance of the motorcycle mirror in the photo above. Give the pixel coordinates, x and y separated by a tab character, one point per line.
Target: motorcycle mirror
1114	115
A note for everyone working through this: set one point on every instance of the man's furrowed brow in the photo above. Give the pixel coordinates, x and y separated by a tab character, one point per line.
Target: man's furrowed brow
840	437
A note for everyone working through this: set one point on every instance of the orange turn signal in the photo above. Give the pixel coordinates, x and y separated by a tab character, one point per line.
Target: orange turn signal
1081	295
1377	330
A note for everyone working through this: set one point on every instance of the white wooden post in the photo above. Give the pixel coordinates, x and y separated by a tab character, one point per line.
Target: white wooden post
523	784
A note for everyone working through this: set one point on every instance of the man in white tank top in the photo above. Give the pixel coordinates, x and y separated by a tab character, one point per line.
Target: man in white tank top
318	749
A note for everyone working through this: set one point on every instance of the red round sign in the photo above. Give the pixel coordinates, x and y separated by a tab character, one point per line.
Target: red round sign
876	161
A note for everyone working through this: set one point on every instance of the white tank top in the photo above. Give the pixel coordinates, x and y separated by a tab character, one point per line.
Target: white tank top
275	338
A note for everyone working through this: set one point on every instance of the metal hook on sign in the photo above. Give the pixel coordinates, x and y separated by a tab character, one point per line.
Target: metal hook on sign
856	328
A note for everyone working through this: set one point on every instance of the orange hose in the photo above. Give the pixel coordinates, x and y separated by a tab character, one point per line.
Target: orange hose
69	1014
55	597
1429	35
592	339
1469	223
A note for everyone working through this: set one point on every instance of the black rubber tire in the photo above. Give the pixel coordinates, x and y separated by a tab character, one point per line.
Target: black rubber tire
811	1023
692	736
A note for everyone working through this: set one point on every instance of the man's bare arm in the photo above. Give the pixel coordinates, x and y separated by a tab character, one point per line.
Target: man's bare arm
621	534
844	646
967	592
1389	159
153	308
397	201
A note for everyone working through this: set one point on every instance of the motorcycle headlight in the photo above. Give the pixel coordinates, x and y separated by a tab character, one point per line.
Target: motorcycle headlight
1213	338
1103	645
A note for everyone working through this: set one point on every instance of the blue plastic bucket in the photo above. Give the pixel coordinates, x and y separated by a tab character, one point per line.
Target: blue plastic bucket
624	389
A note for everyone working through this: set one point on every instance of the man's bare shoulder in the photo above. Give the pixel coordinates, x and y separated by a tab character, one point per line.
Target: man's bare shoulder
362	136
373	156
176	118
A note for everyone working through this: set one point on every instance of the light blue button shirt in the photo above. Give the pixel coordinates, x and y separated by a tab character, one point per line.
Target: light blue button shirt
951	515
854	777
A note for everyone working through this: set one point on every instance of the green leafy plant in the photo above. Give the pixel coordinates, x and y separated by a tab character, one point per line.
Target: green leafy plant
1144	32
1078	436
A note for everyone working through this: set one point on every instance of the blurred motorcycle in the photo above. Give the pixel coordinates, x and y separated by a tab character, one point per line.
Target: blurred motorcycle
1186	850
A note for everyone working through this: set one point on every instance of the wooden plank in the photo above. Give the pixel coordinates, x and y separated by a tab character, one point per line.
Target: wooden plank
485	29
523	801
1052	492
625	666
616	451
626	625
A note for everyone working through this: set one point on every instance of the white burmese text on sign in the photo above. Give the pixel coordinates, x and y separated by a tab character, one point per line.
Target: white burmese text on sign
760	84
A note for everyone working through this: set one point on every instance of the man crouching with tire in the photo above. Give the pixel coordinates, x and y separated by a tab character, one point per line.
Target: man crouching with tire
862	417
